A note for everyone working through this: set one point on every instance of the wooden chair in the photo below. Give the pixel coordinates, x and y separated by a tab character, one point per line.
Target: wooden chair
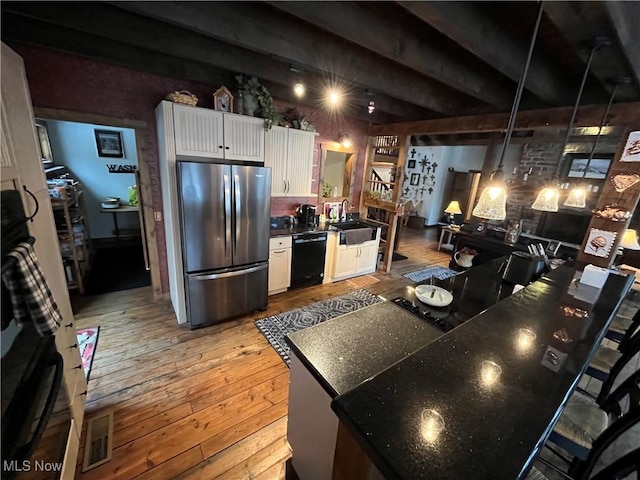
408	211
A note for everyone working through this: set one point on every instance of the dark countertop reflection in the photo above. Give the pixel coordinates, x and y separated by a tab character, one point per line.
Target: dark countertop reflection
494	425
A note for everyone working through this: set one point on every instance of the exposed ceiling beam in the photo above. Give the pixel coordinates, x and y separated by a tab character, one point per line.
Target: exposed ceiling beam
625	114
262	29
625	18
466	24
581	23
166	40
395	42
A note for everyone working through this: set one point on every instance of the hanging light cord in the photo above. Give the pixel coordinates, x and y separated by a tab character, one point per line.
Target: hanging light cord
594	49
516	101
604	119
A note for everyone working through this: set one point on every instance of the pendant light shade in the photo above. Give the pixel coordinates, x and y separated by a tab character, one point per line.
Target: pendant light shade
577	198
547	200
492	204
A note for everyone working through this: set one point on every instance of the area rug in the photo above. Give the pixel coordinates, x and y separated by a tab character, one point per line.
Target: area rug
87	341
398	256
426	273
275	328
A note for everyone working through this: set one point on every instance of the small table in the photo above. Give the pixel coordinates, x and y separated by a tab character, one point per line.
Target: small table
450	231
115	211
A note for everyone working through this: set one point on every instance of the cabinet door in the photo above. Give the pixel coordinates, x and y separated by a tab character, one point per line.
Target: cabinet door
300	162
243	138
345	261
279	269
275	156
367	258
198	131
21	164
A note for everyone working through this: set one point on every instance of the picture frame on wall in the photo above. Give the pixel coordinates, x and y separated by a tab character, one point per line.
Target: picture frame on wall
109	143
411	164
415	179
581	167
45	145
631	152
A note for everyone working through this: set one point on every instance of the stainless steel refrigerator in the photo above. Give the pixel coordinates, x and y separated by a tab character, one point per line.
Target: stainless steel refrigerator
224	217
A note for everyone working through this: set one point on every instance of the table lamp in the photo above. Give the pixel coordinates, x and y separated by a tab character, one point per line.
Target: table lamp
453	209
630	240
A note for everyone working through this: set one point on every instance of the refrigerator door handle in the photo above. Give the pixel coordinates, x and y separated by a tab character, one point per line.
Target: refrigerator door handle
236	273
237	198
227	212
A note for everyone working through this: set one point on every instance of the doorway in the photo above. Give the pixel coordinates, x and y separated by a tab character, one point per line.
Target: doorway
107	157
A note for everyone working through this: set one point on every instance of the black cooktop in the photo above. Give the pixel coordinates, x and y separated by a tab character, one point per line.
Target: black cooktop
421	311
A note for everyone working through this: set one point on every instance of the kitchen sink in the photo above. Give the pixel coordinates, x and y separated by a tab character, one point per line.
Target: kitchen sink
350	225
343	227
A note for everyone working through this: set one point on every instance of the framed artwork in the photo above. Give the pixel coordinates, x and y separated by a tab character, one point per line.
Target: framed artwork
45	146
415	179
223	100
631	152
109	143
332	211
411	164
584	168
599	242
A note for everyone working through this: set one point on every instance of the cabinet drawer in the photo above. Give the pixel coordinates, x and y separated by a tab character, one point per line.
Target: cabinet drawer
279	242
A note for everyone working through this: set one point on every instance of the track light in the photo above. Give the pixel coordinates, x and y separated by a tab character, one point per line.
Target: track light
371	107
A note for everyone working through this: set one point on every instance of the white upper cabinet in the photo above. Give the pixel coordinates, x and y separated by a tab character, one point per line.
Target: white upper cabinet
200	132
243	137
289	153
276	157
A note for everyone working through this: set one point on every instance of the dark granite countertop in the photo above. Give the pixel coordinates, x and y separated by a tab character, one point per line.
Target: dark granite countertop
343	352
325	227
492	431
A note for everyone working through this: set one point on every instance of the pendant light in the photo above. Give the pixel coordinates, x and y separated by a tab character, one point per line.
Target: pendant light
577	196
547	200
492	204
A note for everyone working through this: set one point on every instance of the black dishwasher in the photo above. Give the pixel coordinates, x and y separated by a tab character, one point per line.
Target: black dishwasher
307	265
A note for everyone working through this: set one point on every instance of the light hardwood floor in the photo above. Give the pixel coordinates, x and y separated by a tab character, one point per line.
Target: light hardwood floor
209	403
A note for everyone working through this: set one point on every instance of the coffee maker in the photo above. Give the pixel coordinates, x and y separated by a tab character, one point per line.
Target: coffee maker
306	215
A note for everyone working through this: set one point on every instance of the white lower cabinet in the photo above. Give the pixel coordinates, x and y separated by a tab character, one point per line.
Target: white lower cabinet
353	260
279	264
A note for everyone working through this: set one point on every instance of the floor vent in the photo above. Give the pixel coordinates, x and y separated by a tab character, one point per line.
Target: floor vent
99	441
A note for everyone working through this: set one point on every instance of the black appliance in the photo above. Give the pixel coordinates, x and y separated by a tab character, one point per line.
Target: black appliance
523	268
421	311
36	416
307	265
306	215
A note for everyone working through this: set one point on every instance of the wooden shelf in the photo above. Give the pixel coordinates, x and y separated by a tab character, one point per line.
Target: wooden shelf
76	254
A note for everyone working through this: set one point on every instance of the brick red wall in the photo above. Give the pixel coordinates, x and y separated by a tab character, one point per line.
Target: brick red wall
71	82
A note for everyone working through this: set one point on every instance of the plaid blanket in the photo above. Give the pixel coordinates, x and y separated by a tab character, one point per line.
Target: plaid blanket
31	298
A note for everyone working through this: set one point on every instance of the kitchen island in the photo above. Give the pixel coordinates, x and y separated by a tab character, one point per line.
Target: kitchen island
495	421
494	425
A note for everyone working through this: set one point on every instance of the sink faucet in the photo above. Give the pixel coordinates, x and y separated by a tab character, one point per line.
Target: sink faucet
343	218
